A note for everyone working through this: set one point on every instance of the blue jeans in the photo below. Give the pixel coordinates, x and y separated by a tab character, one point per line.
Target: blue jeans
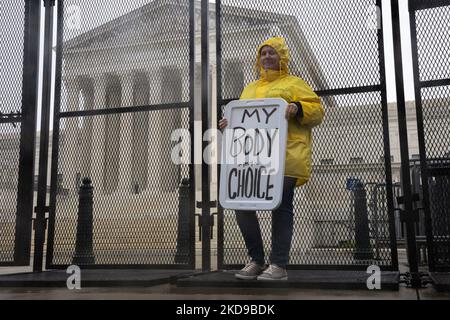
282	227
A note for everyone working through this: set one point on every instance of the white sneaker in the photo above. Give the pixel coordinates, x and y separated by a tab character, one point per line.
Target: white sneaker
250	272
274	272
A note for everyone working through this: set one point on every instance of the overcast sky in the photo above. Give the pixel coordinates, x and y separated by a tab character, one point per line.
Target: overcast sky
92	15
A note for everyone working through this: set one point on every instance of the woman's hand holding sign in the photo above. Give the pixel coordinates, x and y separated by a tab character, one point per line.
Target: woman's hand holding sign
252	174
291	111
223	123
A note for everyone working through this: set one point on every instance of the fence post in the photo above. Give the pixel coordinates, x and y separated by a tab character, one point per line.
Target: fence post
84	253
362	241
22	241
407	210
183	223
40	222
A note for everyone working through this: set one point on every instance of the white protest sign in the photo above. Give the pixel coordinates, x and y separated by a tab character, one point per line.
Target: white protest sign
253	154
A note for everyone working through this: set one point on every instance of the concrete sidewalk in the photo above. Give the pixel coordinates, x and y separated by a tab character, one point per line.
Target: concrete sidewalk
172	292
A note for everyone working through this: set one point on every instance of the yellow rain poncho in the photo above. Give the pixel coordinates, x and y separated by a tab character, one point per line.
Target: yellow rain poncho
280	84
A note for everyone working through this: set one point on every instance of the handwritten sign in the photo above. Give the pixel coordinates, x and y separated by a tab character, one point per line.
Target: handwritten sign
253	154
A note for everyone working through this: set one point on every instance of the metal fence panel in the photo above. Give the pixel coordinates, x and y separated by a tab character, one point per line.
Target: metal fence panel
125	84
431	46
19	22
337	47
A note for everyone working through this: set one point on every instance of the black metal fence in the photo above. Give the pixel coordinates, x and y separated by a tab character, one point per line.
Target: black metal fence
18	103
124	80
337	47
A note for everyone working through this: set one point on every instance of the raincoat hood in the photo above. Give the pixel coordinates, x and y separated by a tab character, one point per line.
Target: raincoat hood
280	84
279	44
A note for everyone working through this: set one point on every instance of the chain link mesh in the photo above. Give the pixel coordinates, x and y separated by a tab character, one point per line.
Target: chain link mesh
136	206
12	18
433	42
436	116
323	54
116	38
9	164
124	55
11	65
348	145
433	52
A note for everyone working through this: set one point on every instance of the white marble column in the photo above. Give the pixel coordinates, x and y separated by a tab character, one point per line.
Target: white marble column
155	130
140	134
126	135
87	131
98	133
170	120
69	155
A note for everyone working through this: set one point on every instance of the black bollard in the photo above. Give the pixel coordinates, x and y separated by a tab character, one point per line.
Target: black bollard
181	255
84	253
363	250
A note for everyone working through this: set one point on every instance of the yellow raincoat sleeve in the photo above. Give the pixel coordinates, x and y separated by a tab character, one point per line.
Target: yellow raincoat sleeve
313	111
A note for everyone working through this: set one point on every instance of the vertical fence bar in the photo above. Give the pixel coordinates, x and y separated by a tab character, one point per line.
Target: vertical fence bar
421	135
206	217
404	151
191	260
56	125
387	147
220	218
28	133
41	208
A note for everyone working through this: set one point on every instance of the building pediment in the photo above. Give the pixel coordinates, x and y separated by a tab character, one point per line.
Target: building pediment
143	24
163	20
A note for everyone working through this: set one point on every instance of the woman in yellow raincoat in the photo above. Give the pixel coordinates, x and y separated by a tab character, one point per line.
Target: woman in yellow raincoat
303	113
